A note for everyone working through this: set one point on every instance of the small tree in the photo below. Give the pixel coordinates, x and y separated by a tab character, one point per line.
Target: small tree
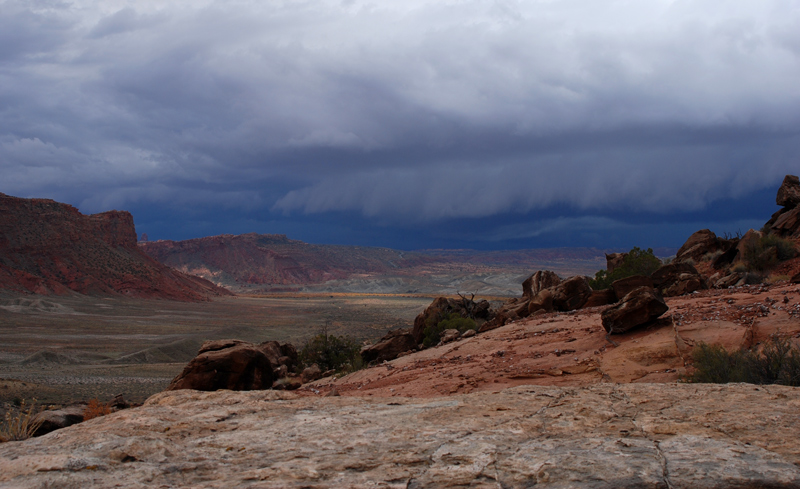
433	331
330	352
636	262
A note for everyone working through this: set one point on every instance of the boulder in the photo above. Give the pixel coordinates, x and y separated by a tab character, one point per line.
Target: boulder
389	347
543	301
572	293
787	224
280	355
58	418
543	279
731	280
601	298
639	307
700	244
311	373
749	239
613	260
522	308
727	257
450	335
623	286
288	383
795	278
789	192
226	364
677	279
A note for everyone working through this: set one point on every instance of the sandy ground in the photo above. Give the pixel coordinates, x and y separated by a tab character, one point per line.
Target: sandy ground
65	349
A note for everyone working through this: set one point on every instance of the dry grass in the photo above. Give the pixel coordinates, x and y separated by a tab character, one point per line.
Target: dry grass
22	424
95	409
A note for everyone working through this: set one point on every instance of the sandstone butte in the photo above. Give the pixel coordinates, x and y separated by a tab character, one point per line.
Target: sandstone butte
545	401
47	247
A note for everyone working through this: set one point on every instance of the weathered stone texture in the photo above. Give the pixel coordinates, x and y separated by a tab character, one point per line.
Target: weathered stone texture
604	436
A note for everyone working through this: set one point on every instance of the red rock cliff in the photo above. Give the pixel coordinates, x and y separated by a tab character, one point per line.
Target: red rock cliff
47	247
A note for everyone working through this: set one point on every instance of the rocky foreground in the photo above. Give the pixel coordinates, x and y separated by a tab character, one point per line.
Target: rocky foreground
606	435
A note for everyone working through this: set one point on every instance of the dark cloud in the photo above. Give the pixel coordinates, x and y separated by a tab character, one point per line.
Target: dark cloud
404	116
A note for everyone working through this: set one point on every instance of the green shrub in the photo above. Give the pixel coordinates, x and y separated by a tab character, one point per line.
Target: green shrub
433	332
329	352
777	363
767	252
636	262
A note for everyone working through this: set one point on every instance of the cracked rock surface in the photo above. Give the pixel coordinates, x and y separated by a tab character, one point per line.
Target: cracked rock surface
600	436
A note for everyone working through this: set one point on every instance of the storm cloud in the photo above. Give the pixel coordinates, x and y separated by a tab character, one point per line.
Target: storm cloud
408	113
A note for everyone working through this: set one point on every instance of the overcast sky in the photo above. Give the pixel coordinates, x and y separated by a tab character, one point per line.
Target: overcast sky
410	123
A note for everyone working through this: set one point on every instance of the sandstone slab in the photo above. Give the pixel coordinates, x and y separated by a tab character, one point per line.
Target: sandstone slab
604	436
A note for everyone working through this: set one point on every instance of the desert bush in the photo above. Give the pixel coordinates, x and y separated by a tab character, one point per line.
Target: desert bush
433	330
330	352
22	424
636	262
774	279
778	362
95	409
765	253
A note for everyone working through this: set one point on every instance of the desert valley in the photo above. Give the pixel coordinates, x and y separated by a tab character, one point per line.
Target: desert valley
261	361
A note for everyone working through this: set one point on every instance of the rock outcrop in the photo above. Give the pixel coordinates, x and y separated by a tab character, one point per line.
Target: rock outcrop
639	307
226	364
613	260
699	244
625	285
786	222
542	279
55	419
789	192
603	436
441	307
572	293
389	347
50	248
677	278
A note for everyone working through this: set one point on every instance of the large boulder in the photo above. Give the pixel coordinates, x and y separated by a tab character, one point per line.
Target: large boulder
677	279
226	364
601	298
543	279
702	243
625	285
280	355
572	293
542	302
787	224
789	192
58	418
639	307
728	257
389	347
